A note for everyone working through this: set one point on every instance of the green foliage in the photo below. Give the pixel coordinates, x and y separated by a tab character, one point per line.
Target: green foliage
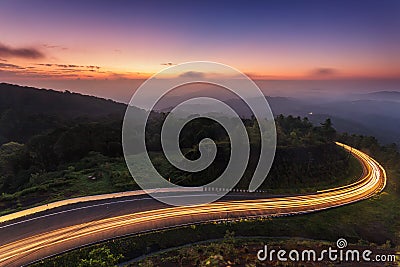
100	257
306	158
13	157
110	175
294	131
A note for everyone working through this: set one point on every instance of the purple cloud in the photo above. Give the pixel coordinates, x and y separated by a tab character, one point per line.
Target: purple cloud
32	53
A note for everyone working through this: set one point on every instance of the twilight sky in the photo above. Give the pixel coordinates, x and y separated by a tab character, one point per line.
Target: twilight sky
78	44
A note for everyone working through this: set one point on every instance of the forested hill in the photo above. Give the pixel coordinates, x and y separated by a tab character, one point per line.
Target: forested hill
50	102
28	111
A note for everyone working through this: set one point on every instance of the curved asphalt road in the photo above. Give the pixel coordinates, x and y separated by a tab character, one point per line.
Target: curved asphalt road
35	235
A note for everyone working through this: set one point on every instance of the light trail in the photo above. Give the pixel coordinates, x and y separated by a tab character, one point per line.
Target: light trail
66	202
41	245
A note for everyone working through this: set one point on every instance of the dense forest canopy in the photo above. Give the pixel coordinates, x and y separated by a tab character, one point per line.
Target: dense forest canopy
68	144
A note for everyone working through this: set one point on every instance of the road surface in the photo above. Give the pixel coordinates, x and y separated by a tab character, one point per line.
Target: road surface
25	239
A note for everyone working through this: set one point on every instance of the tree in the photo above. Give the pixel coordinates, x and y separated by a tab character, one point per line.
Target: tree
327	130
13	157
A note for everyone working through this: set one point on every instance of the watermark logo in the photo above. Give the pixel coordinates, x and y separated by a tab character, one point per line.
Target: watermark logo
332	254
341	243
154	89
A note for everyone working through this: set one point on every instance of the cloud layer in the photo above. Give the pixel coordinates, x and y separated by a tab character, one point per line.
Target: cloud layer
192	74
324	72
25	52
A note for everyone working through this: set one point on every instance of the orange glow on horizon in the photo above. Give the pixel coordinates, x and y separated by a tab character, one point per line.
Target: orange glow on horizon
38	71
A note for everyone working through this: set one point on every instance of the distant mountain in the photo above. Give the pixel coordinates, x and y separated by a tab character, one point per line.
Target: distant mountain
385	93
367	114
381	95
279	105
50	102
346	125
